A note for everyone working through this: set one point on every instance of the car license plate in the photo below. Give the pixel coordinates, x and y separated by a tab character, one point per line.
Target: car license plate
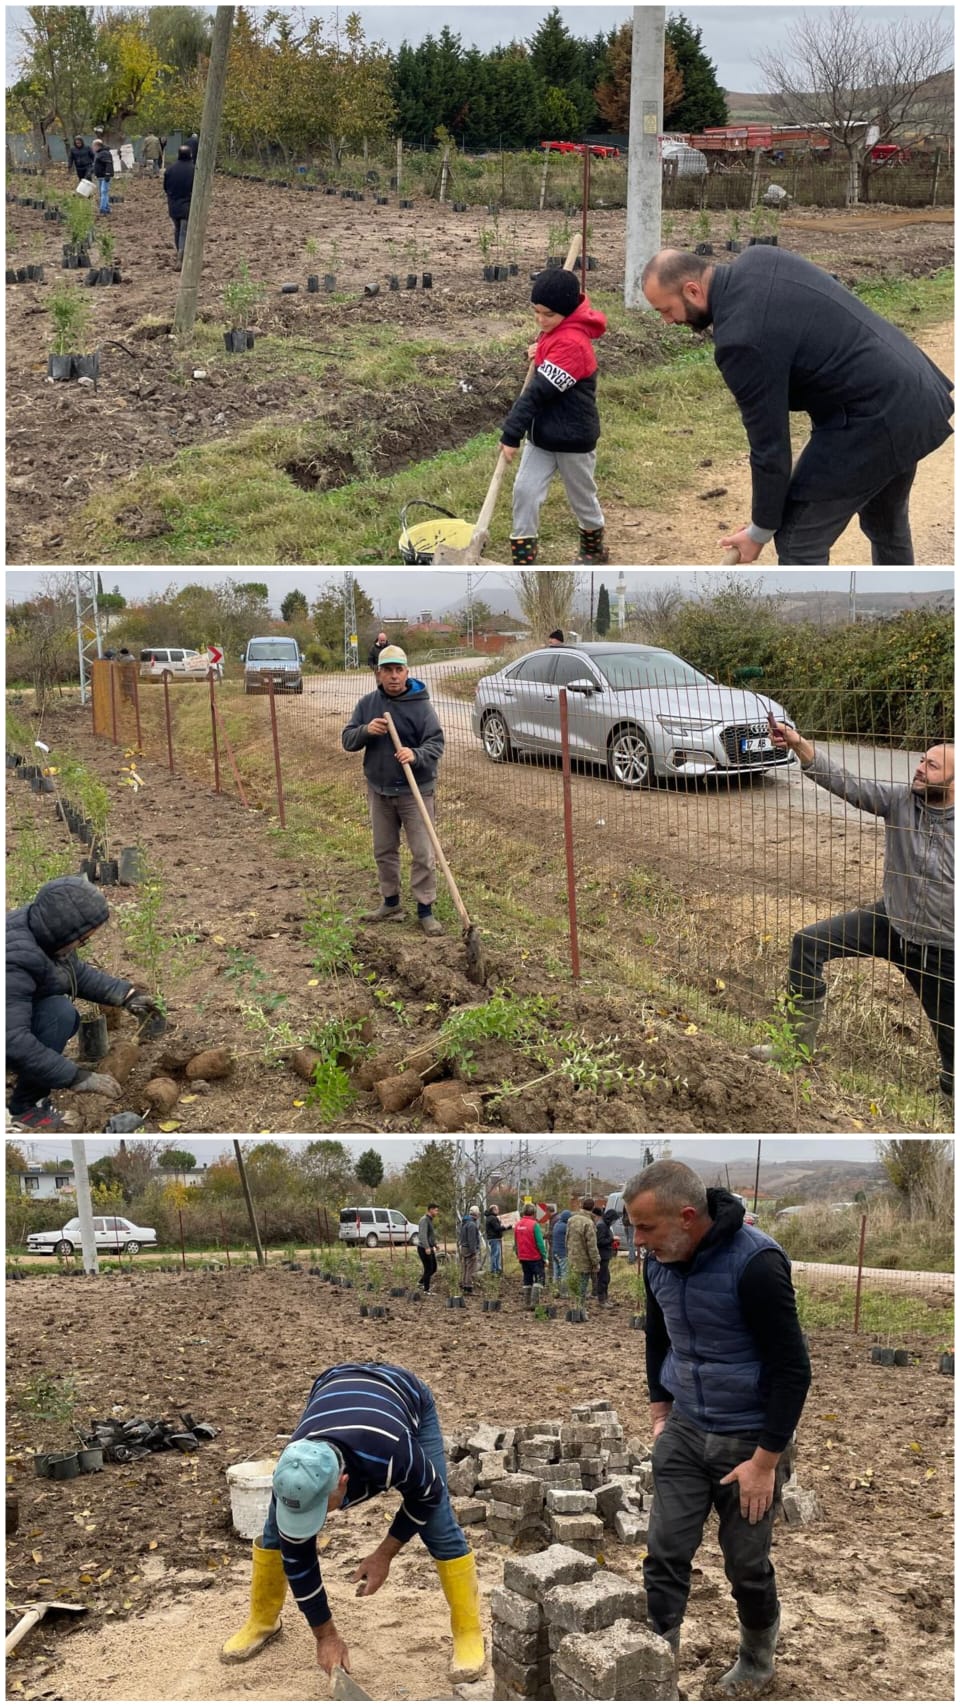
756	744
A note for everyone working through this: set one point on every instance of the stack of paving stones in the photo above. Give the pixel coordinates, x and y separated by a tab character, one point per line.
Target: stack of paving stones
554	1481
566	1630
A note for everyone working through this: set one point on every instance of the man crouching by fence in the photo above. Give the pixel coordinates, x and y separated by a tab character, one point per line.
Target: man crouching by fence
911	925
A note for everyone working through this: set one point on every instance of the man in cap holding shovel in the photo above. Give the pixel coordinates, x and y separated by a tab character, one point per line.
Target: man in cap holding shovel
367	1428
390	798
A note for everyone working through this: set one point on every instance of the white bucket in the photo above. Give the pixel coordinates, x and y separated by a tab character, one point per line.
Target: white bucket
251	1485
84	188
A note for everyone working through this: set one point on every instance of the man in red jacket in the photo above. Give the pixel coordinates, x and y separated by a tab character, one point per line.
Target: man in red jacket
531	1250
558	413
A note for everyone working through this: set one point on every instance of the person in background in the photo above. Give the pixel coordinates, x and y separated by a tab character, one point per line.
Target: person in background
178	189
559	1245
531	1250
102	171
583	1256
151	155
555	637
468	1242
494	1236
604	1220
373	656
427	1245
80	158
193	144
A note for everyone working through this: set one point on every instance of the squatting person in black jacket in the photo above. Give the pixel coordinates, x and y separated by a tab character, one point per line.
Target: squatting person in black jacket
728	1373
788	337
391	802
367	1429
44	974
178	189
558	413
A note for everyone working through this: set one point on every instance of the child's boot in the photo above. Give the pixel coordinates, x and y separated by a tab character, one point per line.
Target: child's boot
524	550
592	548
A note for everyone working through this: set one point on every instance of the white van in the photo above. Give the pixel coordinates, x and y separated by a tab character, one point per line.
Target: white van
184	662
272	657
372	1227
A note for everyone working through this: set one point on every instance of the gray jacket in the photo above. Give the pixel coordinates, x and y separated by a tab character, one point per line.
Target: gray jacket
918	857
418	727
426	1234
469	1237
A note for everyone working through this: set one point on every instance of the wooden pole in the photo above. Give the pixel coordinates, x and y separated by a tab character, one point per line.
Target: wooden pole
166	709
213	729
399	164
241	1168
936	178
543	178
281	809
444	173
755	178
186	310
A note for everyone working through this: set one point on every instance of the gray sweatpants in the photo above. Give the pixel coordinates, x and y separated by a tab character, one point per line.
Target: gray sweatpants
537	469
389	814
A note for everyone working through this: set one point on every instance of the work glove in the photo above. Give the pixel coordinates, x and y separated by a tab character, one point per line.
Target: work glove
100	1084
140	1004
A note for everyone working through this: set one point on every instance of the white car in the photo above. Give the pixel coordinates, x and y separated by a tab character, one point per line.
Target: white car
372	1227
111	1233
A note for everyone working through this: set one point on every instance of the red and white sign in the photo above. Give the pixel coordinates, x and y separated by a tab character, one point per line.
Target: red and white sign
214	654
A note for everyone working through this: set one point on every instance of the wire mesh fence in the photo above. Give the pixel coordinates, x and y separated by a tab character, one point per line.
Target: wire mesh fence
677	852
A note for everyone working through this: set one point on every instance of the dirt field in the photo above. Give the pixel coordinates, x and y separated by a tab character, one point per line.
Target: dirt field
866	1589
236	910
149	404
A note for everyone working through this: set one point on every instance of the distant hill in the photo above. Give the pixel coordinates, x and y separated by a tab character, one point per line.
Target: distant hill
828	1180
760	108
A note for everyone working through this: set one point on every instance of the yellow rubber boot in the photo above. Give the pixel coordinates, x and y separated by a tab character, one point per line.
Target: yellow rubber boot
458	1579
268	1586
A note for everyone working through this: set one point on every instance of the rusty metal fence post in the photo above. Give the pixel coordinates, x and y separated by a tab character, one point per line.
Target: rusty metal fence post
856	1306
113	705
213	727
134	682
568	837
281	809
166	712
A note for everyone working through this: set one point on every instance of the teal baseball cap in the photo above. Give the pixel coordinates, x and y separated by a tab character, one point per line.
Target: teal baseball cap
306	1475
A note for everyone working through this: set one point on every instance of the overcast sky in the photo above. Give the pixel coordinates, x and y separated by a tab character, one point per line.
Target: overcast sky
732	35
397	1151
408	592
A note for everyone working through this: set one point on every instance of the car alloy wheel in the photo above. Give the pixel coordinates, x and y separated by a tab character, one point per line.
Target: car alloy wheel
132	1247
628	759
63	1248
496	738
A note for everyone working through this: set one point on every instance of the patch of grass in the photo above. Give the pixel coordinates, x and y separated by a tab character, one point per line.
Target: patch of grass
911	304
883	1313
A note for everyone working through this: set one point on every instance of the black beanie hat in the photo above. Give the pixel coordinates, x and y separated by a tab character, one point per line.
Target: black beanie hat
557	290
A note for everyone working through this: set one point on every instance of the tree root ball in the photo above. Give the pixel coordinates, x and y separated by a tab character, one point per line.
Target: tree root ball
210	1064
451	1107
399	1091
369	1073
303	1062
162	1094
120	1060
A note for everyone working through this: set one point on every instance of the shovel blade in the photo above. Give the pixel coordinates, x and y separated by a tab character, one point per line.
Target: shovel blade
471	553
344	1688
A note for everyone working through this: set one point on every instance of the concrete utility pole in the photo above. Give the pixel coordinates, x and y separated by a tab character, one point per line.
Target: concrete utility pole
644	172
186	310
84	1206
351	644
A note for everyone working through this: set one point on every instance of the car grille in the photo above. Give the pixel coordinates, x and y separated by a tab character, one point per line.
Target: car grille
736	732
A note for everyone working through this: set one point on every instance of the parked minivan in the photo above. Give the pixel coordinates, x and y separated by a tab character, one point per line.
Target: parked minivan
273	657
179	660
373	1227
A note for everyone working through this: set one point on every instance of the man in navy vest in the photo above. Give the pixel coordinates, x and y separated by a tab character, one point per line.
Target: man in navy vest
728	1374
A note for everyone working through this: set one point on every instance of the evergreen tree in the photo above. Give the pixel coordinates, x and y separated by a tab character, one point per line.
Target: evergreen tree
561	60
602	619
369	1168
294	606
704	102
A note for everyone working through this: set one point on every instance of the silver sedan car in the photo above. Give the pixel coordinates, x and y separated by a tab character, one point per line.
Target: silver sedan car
640	711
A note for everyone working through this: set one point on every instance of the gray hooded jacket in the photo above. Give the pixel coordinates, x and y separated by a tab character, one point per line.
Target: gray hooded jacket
918	861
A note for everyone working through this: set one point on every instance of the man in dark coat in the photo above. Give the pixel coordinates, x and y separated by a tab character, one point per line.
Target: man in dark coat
728	1374
178	189
373	656
788	337
192	146
390	799
102	171
43	974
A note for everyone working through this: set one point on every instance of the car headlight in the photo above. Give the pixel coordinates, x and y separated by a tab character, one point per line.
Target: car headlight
687	725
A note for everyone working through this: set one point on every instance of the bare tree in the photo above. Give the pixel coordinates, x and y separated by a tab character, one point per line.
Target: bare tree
546	598
861	83
654	613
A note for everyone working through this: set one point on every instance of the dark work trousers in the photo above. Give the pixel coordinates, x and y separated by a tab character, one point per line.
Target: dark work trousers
603	1279
179	234
54	1021
868	932
428	1261
534	1273
809	527
688	1466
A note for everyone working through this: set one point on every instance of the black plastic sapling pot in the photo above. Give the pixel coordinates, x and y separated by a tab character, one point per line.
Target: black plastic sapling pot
406	204
514	269
12	275
427	281
371	289
59	367
411	281
22	275
732	247
88	869
501	274
554	260
94	1041
107	873
703	249
87	367
489	274
313	283
105	275
457	1303
329	281
131	865
289	289
393	281
93	276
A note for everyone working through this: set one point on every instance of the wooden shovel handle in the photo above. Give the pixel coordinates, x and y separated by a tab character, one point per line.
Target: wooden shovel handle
428	825
730	557
22	1628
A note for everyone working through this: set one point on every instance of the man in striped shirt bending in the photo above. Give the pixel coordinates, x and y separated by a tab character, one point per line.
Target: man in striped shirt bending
367	1428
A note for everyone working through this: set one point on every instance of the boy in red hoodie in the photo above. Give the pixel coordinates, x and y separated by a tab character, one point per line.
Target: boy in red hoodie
558	412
